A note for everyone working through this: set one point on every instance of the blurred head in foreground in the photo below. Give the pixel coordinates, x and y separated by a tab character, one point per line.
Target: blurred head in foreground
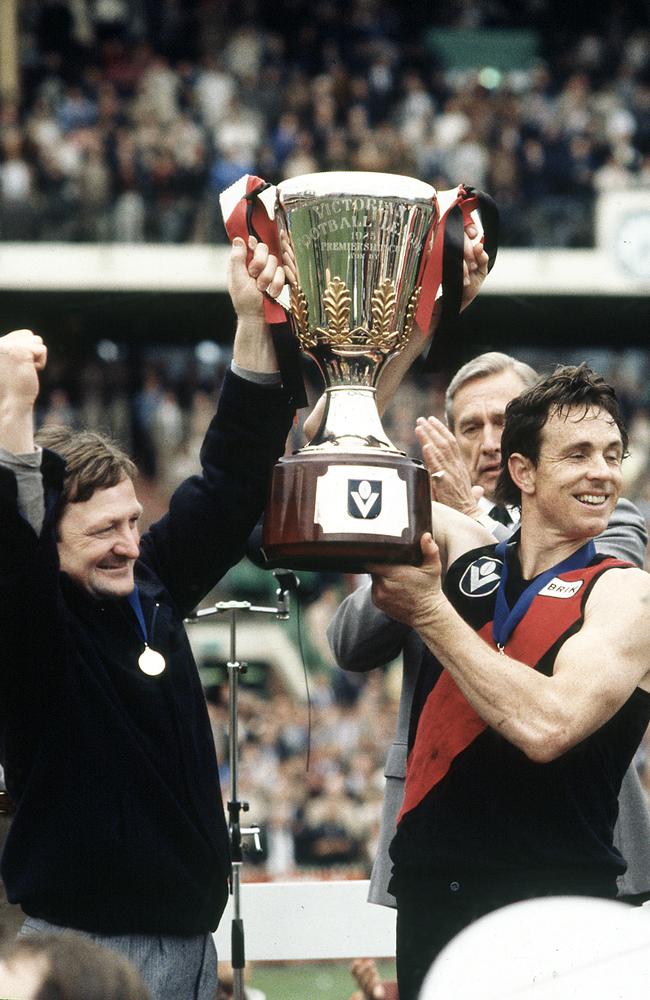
67	967
555	948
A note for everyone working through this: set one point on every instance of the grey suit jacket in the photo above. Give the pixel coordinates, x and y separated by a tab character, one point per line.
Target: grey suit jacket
362	637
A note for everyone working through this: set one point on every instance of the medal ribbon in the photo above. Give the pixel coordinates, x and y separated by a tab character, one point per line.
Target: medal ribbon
506	619
150	661
136	604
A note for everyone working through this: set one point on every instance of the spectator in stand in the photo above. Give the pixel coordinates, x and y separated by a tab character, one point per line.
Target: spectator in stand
214	90
17	208
76	110
346	74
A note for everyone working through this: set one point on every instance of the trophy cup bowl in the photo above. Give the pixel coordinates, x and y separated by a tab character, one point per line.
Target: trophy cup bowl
353	245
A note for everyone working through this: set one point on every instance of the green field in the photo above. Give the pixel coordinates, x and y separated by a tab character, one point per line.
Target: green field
309	980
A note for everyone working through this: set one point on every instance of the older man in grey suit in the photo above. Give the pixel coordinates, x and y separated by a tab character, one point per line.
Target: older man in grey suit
463	459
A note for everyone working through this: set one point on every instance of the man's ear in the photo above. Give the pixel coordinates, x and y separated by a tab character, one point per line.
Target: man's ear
522	472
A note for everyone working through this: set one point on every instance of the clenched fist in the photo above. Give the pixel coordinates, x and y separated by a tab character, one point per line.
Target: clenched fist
22	355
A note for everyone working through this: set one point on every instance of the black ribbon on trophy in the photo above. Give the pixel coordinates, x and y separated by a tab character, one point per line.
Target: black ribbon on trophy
452	270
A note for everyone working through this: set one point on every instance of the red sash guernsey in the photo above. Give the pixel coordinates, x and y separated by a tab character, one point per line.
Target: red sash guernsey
448	723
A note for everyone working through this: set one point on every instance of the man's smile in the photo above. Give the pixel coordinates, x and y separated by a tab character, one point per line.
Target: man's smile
592	499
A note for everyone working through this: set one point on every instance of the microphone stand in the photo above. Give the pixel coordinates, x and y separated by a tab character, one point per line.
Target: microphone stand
235	669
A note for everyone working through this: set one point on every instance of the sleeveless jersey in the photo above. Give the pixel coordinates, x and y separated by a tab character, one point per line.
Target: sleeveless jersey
474	800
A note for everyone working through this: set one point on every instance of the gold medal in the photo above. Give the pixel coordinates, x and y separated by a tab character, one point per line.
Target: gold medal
151	662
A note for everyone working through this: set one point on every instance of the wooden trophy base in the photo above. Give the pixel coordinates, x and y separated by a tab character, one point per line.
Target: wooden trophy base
331	512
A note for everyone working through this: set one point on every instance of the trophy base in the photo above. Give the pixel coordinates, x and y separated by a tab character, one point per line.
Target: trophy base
340	513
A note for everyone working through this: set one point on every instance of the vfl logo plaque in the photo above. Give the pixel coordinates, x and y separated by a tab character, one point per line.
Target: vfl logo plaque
364	498
481	577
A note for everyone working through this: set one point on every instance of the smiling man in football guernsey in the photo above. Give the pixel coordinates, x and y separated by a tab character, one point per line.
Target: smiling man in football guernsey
533	691
464	454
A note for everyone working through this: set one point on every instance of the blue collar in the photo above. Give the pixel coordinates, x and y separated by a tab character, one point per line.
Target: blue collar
506	619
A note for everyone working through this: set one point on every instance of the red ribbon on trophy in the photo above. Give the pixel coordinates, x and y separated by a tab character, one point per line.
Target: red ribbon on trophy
247	212
249	216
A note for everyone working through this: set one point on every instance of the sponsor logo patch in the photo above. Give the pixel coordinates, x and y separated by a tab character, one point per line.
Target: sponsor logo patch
364	498
481	577
561	588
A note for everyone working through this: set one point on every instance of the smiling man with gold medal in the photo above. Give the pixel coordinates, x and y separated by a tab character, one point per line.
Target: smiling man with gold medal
119	830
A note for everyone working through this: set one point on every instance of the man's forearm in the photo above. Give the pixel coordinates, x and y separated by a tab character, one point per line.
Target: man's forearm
253	348
397	367
16	427
510	697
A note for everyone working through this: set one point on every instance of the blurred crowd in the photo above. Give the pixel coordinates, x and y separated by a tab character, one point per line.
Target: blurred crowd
133	116
316	792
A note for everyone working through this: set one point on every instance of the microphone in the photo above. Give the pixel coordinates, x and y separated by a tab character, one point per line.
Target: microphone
287	582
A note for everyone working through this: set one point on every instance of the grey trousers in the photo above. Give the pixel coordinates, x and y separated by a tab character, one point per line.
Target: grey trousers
173	968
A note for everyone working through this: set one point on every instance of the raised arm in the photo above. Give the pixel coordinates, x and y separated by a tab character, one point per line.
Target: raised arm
29	622
595	672
212	515
475	269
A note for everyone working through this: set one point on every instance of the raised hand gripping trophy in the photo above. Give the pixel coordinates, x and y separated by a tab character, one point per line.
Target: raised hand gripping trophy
363	256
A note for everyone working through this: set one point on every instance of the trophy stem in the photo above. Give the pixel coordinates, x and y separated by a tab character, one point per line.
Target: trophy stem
351	423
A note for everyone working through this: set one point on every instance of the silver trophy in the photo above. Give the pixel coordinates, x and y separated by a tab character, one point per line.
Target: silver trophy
354	247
